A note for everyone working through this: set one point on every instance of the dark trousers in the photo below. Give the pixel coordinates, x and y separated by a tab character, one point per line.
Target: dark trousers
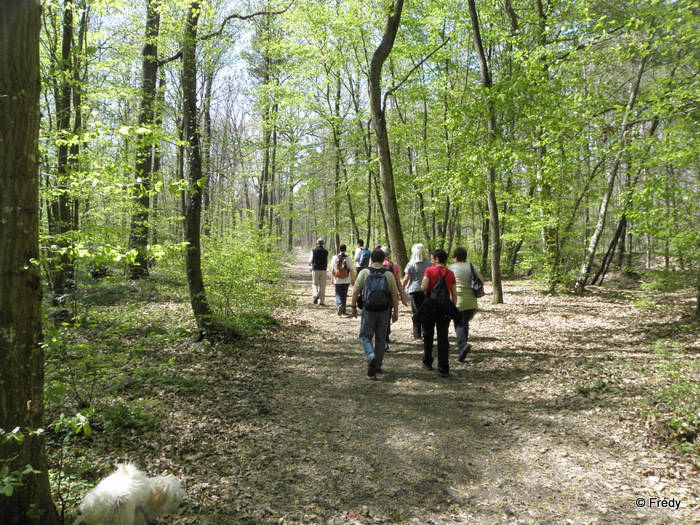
417	299
341	295
462	327
443	343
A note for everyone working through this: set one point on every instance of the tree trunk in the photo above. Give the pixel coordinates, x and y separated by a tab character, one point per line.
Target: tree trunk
377	109
138	239
495	228
602	212
21	354
60	212
193	195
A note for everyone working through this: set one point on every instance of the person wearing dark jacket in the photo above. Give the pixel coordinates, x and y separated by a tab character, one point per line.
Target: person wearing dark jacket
318	261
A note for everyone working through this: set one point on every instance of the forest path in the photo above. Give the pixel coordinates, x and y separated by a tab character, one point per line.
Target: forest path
539	425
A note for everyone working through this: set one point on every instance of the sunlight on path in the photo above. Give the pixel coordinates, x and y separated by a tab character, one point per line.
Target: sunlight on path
503	439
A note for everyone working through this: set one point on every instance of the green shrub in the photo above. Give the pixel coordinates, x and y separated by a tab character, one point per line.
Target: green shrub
244	275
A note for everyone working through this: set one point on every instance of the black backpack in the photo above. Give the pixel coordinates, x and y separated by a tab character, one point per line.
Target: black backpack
440	295
375	295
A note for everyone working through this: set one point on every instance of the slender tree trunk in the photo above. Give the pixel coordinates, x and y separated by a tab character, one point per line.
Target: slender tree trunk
612	175
206	155
60	212
193	195
138	239
495	228
21	354
377	110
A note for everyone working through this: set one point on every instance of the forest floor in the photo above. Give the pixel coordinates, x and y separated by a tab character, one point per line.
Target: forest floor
544	422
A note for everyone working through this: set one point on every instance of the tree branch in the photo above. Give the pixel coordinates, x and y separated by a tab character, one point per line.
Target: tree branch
405	78
242	17
220	31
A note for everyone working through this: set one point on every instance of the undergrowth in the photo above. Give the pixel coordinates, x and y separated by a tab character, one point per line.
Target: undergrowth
675	405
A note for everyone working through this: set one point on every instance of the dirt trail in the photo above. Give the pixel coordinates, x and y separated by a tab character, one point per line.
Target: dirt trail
538	426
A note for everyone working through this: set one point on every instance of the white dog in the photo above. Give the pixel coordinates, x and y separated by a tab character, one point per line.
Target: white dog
129	497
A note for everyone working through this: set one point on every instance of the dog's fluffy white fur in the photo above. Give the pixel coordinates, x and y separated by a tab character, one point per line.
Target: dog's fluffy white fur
129	497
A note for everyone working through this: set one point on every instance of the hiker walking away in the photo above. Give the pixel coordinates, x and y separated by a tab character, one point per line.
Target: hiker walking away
342	276
413	276
379	294
437	311
318	260
466	300
394	269
362	255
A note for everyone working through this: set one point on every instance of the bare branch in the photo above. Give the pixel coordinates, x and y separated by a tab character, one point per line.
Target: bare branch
405	78
242	17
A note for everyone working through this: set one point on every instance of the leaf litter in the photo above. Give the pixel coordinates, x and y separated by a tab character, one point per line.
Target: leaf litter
541	424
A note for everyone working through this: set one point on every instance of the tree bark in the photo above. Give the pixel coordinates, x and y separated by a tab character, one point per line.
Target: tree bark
138	239
398	246
193	196
494	220
21	354
60	214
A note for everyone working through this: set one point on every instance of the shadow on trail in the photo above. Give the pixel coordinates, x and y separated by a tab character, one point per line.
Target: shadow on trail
525	420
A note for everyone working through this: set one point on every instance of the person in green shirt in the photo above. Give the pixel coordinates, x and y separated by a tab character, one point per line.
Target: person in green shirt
466	300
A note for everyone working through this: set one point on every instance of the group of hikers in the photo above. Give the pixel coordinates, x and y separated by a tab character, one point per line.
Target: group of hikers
438	295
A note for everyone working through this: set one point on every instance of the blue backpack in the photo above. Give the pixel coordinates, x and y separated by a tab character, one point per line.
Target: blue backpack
376	296
364	258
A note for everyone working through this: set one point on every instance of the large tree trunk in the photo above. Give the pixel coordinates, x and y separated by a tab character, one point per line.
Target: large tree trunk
495	228
398	246
144	154
21	355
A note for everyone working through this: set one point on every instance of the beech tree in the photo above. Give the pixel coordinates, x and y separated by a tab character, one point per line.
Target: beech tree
378	112
21	355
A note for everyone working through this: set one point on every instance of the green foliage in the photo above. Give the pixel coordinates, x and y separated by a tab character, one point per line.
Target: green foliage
9	479
117	419
245	278
676	404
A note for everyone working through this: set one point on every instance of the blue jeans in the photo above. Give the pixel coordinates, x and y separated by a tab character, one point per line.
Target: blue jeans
462	327
341	295
374	325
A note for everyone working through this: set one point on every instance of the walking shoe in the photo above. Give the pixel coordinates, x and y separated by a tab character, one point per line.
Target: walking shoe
315	300
340	310
463	353
427	367
371	367
442	373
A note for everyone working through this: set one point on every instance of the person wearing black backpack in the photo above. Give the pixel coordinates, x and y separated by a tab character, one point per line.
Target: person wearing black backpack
376	288
440	289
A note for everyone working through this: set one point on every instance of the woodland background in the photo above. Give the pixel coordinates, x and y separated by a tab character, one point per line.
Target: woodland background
205	141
